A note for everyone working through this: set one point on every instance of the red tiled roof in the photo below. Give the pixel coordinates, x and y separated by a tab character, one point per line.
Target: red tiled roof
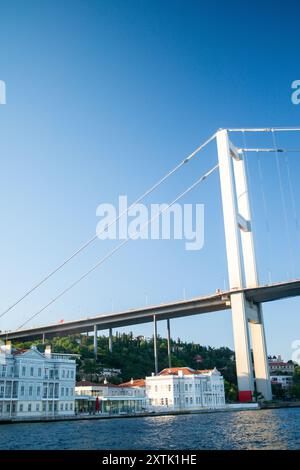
134	383
175	370
16	352
184	370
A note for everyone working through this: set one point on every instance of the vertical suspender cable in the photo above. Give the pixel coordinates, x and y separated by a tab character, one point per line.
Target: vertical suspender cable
291	191
283	203
249	183
265	207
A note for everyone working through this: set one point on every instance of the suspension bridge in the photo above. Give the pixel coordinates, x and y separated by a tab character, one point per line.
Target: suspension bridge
244	297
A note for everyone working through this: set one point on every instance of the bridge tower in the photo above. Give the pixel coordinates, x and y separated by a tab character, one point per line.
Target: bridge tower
242	272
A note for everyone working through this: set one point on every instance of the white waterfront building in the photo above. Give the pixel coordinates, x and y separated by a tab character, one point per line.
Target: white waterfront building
129	397
35	384
183	388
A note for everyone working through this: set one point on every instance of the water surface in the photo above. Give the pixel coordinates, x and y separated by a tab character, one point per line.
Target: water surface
260	429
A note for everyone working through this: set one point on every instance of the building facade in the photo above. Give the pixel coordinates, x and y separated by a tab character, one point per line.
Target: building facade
285	381
109	398
183	388
35	384
276	364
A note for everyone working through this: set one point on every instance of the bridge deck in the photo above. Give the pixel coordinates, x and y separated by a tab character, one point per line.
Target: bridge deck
200	305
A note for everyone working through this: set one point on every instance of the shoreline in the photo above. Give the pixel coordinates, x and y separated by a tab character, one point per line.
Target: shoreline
83	417
149	414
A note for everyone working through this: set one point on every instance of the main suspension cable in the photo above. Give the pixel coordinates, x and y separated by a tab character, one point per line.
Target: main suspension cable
91	240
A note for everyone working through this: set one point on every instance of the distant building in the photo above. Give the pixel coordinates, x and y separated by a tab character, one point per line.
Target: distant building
109	398
285	381
108	372
183	388
34	384
276	364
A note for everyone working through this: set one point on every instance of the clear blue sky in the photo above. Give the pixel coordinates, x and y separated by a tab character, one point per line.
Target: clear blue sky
103	97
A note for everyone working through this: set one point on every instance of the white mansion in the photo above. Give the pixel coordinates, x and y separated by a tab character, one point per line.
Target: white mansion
183	388
33	384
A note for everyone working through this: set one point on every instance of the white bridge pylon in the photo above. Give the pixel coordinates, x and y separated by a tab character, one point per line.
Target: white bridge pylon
242	272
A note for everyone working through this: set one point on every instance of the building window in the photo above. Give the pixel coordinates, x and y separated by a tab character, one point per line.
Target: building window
30	390
29	407
39	372
23	371
66	407
21	407
71	406
62	391
38	391
22	390
37	407
61	407
31	371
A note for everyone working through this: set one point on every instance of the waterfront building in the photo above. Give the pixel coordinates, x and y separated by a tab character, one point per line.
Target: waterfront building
35	384
109	398
183	388
285	381
276	364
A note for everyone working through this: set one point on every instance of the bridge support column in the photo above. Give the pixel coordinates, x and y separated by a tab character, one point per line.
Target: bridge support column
95	341
242	268
243	360
169	343
234	263
260	357
110	340
155	344
43	338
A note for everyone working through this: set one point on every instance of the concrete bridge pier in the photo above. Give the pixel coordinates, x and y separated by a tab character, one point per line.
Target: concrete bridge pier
169	344
110	340
155	344
95	341
242	271
260	357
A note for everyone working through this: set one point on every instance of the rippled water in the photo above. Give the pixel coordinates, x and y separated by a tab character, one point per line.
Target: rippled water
264	429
